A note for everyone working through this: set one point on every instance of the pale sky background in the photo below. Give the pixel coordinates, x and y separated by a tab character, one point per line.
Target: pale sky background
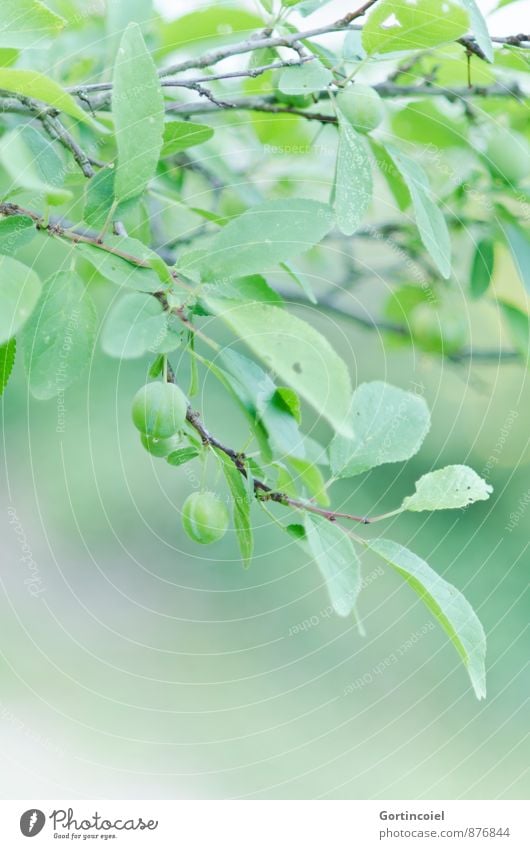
511	20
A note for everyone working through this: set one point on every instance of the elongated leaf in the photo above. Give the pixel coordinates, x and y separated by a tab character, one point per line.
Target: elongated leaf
296	352
451	609
389	426
32	162
26	23
19	292
40	87
395	25
337	560
179	135
310	476
393	178
519	244
7	361
304	79
99	197
519	327
135	325
138	110
181	456
240	506
353	181
117	269
479	28
59	337
482	267
263	236
429	218
15	232
448	488
213	22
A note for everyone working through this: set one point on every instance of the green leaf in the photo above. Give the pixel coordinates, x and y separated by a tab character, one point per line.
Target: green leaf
16	231
117	269
479	28
296	352
213	22
263	403
519	244
135	325
40	87
138	111
337	560
429	218
519	327
422	121
301	280
241	506
181	456
251	288
353	181
447	489
311	478
99	197
395	25
20	289
389	426
482	267
393	178
7	361
33	163
59	337
179	135
448	605
304	79
263	236
25	23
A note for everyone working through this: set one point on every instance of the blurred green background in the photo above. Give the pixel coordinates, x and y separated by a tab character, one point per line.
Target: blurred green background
134	664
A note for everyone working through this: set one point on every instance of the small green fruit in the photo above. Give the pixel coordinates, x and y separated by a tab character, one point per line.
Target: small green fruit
204	517
159	447
508	155
159	409
362	106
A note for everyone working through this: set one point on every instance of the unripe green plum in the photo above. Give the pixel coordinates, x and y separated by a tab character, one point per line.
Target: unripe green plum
508	155
159	447
159	409
362	106
443	331
204	517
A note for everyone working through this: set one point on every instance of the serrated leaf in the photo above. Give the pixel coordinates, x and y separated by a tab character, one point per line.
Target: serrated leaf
181	456
40	87
20	289
59	337
337	560
451	609
138	111
7	361
296	352
429	218
395	25
304	79
240	506
16	231
389	426
482	267
263	236
447	489
353	180
179	135
135	325
24	23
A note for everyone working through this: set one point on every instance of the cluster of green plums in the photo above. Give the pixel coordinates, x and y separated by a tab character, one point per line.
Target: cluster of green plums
159	413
